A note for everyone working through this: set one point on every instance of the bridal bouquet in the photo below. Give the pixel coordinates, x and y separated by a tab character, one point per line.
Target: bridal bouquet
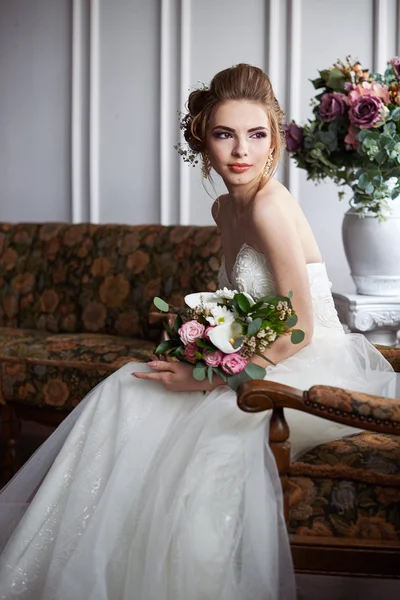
221	331
354	135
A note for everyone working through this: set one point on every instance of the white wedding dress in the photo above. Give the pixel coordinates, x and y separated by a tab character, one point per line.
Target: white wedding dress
145	494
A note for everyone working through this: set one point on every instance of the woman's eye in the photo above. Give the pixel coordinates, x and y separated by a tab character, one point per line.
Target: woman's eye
259	134
222	135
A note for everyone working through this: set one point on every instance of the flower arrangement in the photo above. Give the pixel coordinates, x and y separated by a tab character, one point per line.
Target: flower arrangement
354	136
221	331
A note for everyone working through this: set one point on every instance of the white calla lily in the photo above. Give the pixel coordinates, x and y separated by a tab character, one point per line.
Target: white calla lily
221	336
194	300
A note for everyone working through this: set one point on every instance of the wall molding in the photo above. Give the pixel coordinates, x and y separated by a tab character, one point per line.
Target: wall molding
398	28
273	66
185	47
79	113
94	117
165	112
379	39
294	10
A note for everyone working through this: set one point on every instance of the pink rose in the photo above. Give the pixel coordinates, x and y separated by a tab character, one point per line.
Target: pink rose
332	106
233	363
369	89
395	62
213	359
351	140
294	137
190	350
191	331
366	111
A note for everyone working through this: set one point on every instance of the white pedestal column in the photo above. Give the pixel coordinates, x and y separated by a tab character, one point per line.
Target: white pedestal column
377	317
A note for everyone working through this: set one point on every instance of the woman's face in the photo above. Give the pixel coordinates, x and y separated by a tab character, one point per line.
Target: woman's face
238	141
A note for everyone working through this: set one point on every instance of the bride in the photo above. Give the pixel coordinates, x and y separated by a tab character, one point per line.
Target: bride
153	490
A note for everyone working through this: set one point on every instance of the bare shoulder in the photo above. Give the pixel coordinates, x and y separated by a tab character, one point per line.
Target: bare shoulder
274	201
217	208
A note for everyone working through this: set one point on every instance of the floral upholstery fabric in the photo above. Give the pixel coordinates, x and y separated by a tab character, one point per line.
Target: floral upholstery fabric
100	278
58	370
74	300
348	488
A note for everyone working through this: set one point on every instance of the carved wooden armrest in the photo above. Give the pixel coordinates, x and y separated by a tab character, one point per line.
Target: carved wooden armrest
392	354
334	404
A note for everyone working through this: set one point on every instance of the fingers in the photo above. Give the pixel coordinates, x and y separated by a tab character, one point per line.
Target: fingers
158	365
150	376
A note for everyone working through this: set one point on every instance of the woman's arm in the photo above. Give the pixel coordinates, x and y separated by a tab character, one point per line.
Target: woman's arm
276	236
178	377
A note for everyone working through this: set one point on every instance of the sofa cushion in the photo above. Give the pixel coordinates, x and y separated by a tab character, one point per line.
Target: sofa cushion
348	488
58	370
62	277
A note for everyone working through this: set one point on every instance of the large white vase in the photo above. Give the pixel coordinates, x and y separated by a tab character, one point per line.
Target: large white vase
372	250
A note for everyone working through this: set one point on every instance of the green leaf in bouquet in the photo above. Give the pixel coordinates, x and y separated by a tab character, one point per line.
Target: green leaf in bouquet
267	299
170	331
297	336
256	306
178	323
166	346
238	342
210	374
235	380
336	80
254	326
220	373
199	371
205	345
243	303
292	320
160	304
255	371
290	294
179	353
396	114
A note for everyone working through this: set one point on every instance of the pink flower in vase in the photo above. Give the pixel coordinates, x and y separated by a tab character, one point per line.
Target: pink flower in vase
351	140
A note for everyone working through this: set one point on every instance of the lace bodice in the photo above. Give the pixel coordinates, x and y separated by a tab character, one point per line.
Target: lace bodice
252	274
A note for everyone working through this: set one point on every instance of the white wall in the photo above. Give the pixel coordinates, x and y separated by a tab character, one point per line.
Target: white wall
35	90
89	93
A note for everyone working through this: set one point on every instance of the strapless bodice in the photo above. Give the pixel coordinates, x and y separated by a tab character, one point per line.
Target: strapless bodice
251	273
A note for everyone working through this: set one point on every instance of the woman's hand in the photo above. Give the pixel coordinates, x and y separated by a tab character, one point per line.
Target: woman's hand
178	377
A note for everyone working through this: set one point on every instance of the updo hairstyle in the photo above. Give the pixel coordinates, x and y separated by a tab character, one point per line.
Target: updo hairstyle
241	82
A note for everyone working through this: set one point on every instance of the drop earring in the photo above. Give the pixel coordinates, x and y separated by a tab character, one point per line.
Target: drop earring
268	165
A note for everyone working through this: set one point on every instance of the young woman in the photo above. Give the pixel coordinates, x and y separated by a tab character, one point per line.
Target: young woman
151	489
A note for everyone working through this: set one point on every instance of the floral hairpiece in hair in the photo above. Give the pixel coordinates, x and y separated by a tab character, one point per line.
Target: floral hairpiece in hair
188	155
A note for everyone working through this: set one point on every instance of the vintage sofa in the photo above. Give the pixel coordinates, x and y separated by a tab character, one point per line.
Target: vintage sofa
74	306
